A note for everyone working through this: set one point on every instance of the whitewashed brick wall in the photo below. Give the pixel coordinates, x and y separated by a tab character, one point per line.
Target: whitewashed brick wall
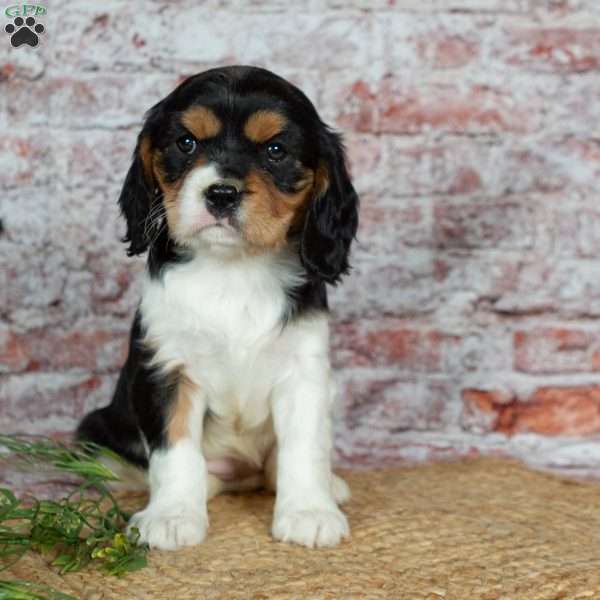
471	320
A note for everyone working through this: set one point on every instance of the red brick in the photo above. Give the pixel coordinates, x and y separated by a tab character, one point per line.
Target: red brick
508	225
13	356
459	165
26	158
389	229
572	411
481	408
7	70
561	287
453	108
466	181
86	101
487	278
576	228
93	36
406	346
365	162
387	344
29	158
446	50
357	107
559	49
46	403
102	156
394	404
94	349
392	106
556	350
393	286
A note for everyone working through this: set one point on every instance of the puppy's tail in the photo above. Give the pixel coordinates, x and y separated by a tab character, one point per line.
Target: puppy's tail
131	477
104	428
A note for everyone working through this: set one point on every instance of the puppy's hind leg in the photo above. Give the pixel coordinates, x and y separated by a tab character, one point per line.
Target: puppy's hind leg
250	483
340	489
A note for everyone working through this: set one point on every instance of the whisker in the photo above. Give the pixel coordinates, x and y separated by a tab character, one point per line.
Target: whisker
157	235
155	218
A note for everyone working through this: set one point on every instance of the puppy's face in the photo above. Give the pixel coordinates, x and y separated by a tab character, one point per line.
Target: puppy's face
234	165
237	158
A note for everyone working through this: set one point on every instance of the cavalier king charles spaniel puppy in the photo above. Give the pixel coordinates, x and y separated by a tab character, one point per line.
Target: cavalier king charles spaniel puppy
240	195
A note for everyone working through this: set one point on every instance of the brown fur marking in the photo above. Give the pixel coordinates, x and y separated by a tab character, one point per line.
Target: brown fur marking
321	180
269	213
178	425
146	157
262	125
202	122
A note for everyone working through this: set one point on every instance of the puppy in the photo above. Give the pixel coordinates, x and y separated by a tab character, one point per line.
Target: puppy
240	195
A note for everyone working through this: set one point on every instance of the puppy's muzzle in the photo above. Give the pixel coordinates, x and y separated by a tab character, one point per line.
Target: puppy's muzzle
222	199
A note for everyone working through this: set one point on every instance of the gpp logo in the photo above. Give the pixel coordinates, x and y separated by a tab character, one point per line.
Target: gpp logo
24	30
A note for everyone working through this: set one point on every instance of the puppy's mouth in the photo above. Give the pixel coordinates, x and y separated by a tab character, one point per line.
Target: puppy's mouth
226	222
220	230
229	222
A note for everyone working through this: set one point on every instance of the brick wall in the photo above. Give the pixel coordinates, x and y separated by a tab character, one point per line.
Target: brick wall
470	322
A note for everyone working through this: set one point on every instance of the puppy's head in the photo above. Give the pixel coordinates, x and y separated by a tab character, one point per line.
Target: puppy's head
235	159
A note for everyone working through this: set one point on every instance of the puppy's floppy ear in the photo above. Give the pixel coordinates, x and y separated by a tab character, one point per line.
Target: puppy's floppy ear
332	218
137	194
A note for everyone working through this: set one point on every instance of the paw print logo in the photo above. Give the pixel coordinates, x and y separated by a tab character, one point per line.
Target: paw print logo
24	32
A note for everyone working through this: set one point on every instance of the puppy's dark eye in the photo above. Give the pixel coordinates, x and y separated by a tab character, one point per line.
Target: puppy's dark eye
187	144
276	152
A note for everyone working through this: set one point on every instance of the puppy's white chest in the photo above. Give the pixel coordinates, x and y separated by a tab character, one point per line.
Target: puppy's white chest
221	324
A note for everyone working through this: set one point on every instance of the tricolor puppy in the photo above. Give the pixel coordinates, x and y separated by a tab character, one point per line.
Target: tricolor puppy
240	195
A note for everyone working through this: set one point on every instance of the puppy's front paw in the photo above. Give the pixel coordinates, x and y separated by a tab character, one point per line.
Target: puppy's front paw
169	528
311	527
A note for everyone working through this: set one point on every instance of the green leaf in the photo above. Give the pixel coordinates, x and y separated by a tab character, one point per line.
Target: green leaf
8	503
25	590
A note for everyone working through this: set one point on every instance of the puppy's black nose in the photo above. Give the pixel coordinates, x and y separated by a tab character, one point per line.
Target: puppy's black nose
222	199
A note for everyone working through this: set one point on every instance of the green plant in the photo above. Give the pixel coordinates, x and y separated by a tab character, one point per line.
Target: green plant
81	529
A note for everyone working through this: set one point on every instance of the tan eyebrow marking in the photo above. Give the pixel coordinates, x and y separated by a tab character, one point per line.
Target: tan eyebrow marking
202	122
263	125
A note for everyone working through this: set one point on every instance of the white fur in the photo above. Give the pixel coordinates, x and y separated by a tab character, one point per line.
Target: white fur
267	389
192	215
194	226
305	509
176	514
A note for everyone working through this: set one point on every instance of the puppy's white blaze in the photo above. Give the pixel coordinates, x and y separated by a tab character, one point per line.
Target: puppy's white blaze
192	214
214	315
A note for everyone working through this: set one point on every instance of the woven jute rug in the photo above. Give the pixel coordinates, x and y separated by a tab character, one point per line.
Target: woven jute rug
480	530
